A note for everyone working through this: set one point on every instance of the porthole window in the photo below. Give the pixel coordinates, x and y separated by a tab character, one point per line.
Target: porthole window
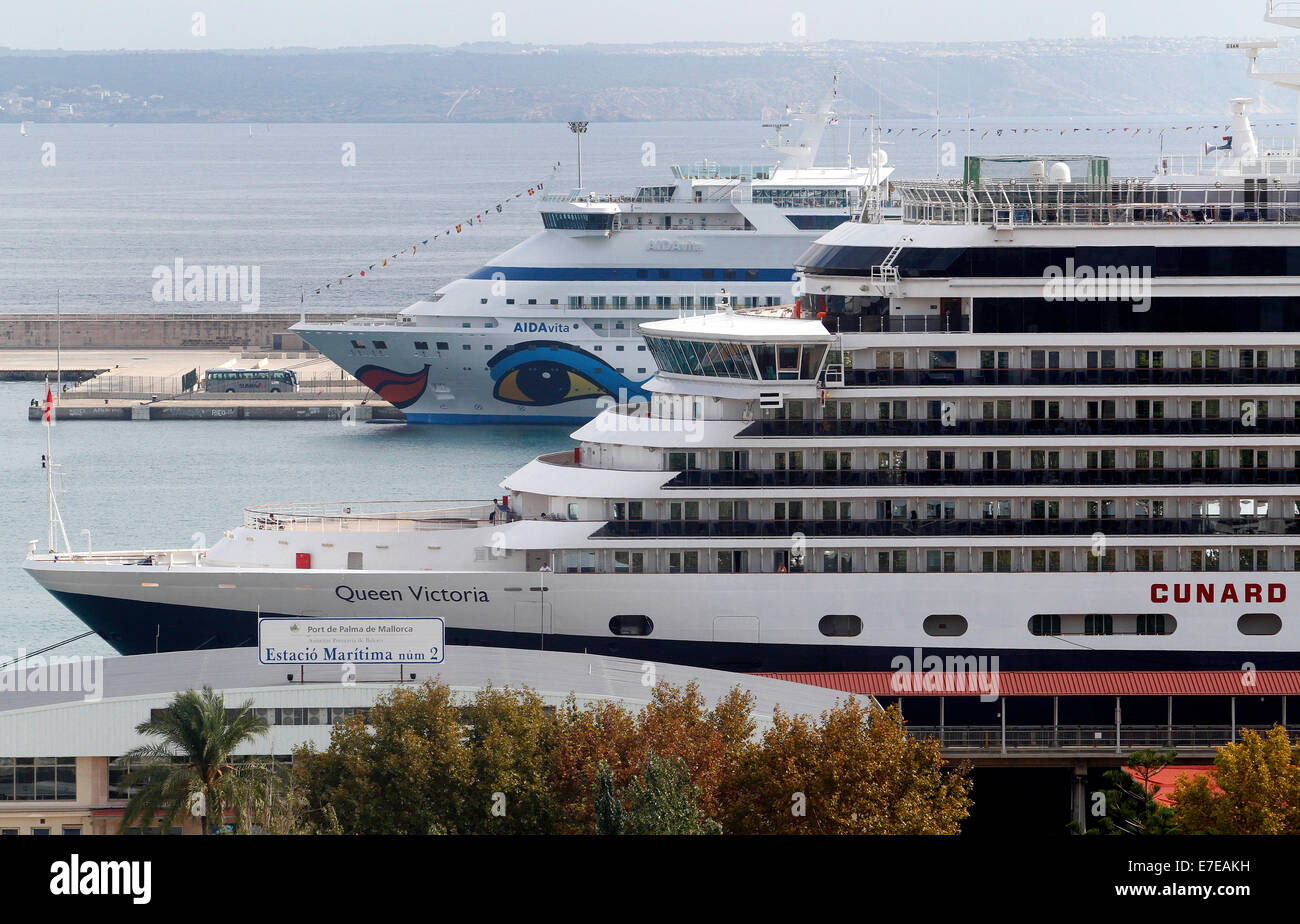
1259	624
631	625
945	625
840	625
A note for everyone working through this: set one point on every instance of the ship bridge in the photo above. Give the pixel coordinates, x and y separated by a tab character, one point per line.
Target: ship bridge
739	345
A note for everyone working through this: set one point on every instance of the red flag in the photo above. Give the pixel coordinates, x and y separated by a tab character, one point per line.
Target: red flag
49	404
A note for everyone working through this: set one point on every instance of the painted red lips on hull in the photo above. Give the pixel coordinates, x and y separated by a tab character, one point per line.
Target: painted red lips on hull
400	389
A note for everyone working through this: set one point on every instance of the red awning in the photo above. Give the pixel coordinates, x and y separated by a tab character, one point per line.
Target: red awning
1057	683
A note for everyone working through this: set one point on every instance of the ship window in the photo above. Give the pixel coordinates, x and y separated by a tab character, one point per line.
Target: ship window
687	562
1259	624
466	346
1045	624
629	562
1155	624
358	344
422	345
840	625
631	625
942	626
444	345
1098	624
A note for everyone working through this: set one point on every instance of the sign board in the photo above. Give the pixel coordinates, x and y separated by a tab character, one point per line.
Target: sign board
349	640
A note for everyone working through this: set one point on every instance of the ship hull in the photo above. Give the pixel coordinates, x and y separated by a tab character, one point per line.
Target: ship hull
737	622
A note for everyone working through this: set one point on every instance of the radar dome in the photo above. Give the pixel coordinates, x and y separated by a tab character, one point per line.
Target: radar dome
1060	172
879	158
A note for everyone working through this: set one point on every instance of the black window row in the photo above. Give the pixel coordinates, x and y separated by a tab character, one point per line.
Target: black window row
298	715
923	528
1026	426
1238	313
697	478
993	262
897	377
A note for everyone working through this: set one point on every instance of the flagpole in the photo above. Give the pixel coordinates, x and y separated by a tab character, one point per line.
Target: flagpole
49	464
54	515
58	342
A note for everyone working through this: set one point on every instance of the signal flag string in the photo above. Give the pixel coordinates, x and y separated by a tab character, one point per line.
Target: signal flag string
457	228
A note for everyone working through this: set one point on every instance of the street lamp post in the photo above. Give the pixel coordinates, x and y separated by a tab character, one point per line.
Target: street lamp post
579	129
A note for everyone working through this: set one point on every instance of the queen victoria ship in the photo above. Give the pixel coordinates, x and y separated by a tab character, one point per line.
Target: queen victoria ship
1052	417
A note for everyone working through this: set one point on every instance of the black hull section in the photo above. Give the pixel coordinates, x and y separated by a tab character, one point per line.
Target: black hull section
141	628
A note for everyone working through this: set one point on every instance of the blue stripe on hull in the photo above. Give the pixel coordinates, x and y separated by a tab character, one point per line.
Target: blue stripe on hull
629	273
493	419
133	627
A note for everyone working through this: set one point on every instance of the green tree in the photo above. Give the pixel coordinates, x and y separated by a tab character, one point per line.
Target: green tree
663	800
192	756
510	737
1255	789
405	770
1130	804
609	808
424	763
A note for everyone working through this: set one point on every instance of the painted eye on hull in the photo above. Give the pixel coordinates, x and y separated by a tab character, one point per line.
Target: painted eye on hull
543	372
545	383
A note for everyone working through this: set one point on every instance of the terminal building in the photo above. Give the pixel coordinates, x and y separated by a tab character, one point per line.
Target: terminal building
57	748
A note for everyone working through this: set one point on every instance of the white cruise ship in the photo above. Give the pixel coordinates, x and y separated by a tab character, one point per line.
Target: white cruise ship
1053	418
549	327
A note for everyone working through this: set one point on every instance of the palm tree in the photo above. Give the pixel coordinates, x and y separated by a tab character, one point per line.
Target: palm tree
193	755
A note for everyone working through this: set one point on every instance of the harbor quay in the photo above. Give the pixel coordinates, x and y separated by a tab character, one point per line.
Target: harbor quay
153	383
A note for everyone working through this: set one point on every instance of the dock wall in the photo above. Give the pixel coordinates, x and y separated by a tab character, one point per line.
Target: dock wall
255	330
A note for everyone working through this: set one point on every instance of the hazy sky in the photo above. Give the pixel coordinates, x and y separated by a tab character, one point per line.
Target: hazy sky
140	24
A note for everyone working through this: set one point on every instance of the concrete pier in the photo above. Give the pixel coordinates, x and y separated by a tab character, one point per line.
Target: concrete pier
245	407
144	384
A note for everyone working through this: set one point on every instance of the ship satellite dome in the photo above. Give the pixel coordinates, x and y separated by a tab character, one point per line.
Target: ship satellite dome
1060	172
1038	170
879	158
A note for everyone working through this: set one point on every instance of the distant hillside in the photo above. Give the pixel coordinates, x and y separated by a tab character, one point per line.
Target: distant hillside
501	82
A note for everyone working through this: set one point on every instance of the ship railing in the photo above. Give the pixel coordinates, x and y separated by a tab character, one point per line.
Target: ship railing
1027	426
936	528
154	557
896	323
977	477
1125	738
376	516
1124	202
708	170
1280	159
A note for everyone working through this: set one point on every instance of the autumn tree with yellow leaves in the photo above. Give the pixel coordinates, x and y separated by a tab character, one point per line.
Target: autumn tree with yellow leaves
1255	789
856	771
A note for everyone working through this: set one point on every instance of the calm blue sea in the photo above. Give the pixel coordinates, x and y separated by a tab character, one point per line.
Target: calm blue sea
119	200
